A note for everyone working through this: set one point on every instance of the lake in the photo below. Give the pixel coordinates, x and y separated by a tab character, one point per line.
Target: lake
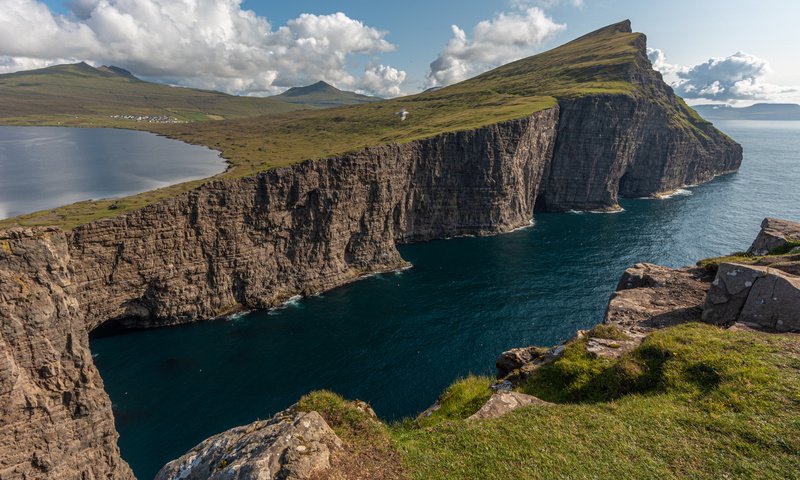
46	167
397	340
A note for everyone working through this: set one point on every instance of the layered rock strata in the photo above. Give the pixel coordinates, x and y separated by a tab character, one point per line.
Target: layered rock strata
55	417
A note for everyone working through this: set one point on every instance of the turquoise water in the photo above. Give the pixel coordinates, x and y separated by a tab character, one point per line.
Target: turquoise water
397	340
45	167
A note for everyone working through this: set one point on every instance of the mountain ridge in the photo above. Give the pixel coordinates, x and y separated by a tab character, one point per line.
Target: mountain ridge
322	94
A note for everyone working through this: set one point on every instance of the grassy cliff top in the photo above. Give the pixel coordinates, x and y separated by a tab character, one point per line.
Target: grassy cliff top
693	401
606	61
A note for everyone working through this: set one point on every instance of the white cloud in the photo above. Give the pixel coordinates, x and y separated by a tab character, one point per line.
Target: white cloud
202	43
733	78
382	78
506	37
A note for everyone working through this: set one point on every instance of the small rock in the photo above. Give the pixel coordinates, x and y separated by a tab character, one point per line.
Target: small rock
503	402
515	358
605	348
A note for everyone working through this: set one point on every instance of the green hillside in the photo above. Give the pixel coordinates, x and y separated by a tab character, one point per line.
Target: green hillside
611	60
693	401
79	94
323	95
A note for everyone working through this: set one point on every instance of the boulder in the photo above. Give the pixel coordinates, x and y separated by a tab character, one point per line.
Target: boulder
503	402
775	233
754	295
516	358
291	445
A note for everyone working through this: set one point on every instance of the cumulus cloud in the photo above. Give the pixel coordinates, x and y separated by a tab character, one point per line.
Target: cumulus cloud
203	43
736	77
504	38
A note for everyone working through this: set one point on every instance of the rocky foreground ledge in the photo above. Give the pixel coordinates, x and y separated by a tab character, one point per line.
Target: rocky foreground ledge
758	289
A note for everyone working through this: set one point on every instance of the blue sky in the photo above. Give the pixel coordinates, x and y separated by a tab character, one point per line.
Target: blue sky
387	48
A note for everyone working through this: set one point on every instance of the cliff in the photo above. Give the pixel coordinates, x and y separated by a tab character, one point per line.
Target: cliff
253	242
55	417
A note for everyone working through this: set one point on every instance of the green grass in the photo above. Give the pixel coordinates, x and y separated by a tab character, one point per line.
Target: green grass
460	400
80	95
609	332
783	250
693	401
711	264
701	403
605	62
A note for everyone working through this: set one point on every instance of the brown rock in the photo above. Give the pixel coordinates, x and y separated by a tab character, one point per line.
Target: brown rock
729	292
503	402
754	295
516	358
651	297
774	233
55	417
290	446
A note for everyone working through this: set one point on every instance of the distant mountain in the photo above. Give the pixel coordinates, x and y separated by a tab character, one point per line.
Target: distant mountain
758	111
323	95
111	96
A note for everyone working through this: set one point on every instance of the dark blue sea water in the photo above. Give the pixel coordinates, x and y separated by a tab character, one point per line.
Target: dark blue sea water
45	167
397	340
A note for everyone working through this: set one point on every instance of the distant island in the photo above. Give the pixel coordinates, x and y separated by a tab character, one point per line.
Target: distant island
758	111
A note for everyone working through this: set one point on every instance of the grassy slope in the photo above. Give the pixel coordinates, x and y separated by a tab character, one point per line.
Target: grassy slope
598	63
81	95
693	401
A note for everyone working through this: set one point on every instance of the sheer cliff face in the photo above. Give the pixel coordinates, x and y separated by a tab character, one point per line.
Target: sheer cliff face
55	418
611	146
254	242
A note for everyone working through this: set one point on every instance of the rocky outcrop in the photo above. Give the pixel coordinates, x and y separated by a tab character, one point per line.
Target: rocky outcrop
775	233
55	417
290	446
753	295
650	297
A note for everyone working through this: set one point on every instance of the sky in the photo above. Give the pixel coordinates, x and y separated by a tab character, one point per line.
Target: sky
711	51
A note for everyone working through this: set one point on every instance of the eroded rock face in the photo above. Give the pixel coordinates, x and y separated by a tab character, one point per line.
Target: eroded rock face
650	297
609	146
754	295
775	233
255	242
290	446
55	417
